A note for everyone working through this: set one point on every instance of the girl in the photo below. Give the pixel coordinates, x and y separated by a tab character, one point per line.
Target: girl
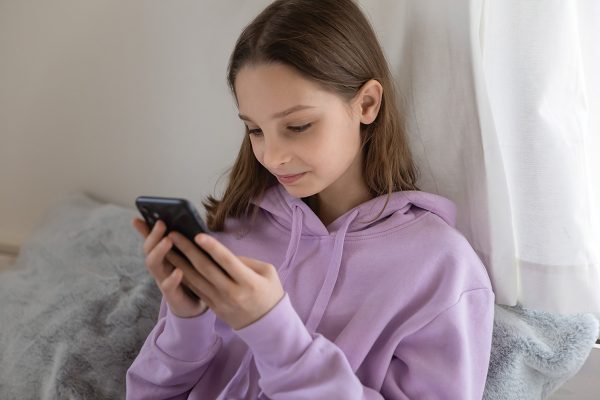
353	283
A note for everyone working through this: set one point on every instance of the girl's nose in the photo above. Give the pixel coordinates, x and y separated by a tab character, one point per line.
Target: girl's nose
275	154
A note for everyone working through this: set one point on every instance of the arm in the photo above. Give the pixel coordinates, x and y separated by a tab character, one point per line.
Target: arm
174	356
446	359
293	364
449	357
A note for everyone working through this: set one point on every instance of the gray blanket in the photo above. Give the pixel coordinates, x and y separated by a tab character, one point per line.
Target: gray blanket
79	303
534	352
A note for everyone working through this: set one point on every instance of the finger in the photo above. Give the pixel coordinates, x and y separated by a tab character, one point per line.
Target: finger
171	282
261	268
141	226
258	266
158	231
200	261
191	277
155	260
175	258
172	289
232	265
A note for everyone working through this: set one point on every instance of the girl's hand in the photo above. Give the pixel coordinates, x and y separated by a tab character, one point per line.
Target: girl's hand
167	269
249	292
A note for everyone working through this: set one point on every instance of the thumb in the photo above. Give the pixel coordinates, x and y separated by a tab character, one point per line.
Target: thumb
254	264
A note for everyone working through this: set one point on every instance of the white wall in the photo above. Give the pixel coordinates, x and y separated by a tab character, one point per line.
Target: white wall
119	99
114	98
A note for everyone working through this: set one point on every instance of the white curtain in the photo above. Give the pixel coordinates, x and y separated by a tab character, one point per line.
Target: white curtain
540	62
503	109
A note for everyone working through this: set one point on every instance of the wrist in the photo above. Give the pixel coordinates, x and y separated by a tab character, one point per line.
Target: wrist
277	337
178	332
186	315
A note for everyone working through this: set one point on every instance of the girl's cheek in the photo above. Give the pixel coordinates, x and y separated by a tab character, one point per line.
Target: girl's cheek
257	152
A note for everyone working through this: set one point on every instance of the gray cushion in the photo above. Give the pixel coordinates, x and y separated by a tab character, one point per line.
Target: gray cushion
76	306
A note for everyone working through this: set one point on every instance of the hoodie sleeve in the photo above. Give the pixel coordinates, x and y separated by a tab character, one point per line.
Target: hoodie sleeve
449	357
174	356
293	364
446	359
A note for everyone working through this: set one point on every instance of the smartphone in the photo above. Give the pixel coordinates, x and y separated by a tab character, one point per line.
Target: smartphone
179	215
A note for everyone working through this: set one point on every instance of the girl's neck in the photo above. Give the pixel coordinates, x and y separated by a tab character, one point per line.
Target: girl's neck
327	216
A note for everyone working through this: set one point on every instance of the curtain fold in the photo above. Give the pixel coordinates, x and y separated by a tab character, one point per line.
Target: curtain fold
502	108
535	57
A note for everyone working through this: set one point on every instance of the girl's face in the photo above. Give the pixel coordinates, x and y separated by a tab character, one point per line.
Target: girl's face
296	127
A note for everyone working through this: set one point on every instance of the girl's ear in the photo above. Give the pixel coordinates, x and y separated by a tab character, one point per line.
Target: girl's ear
368	101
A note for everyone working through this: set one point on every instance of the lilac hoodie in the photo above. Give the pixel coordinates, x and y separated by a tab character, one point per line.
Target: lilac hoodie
398	308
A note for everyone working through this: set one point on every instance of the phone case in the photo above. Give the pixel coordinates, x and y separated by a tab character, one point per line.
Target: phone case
179	215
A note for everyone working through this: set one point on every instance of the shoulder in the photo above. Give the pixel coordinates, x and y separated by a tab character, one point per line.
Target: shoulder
438	257
456	254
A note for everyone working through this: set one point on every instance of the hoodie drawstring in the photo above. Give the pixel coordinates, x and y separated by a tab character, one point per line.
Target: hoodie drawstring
321	302
292	249
284	269
333	270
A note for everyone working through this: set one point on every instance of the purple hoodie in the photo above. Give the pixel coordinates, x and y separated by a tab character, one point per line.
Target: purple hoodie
398	308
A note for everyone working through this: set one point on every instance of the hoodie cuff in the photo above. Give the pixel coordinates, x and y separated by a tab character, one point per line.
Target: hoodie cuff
279	337
188	339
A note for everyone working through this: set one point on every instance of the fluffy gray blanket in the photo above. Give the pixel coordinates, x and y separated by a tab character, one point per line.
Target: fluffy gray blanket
79	303
534	352
76	306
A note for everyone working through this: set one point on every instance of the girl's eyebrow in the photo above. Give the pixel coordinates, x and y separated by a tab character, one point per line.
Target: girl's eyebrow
280	114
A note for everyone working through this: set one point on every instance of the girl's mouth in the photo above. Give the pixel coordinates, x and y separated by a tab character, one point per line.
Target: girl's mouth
289	178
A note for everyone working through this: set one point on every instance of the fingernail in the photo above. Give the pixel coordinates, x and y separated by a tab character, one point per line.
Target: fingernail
201	238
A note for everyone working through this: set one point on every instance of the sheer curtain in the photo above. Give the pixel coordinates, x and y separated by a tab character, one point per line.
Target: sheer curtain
538	60
503	111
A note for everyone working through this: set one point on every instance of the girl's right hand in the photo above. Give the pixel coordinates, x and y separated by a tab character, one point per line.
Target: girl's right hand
161	265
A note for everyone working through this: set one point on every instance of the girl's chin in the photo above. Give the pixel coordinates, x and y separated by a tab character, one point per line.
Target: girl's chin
298	190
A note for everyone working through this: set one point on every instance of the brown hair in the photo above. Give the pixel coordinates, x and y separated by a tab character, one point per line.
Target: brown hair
332	43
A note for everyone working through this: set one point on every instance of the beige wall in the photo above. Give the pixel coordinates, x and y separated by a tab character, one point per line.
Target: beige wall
113	98
120	98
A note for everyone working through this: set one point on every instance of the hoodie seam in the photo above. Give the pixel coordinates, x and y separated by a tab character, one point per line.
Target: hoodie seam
279	226
387	232
445	309
478	290
350	235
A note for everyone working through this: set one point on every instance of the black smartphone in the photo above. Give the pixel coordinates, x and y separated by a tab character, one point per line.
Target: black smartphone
179	215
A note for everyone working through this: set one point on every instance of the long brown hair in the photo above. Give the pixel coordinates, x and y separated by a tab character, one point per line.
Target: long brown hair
332	43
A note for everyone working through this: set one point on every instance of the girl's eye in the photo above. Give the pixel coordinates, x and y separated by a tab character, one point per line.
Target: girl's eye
253	131
257	131
299	128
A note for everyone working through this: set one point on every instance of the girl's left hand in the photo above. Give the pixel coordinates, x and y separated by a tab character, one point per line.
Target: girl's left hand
250	291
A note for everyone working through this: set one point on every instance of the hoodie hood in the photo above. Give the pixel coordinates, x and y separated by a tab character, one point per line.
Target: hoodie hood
294	214
283	206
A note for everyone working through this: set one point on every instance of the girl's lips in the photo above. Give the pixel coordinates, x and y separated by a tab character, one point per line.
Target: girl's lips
290	178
